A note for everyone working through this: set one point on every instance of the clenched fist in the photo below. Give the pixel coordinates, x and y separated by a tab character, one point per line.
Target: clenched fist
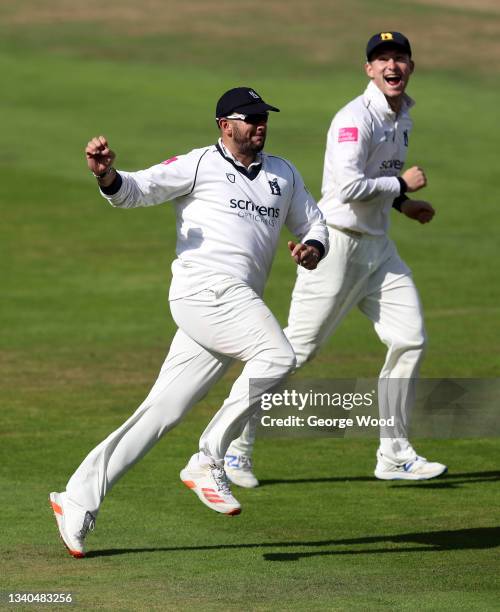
304	255
99	156
421	211
414	178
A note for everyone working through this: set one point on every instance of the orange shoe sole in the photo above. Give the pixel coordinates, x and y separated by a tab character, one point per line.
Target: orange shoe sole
58	510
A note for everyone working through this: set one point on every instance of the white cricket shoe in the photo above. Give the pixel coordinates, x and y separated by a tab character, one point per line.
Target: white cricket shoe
416	469
239	471
210	484
73	523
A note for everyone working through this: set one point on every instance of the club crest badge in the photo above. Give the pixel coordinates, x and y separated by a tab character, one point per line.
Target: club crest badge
275	188
230	177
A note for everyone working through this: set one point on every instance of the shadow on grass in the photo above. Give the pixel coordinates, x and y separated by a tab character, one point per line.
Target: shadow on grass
447	481
431	541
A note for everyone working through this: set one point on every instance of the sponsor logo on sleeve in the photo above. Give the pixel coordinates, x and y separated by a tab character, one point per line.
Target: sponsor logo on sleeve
349	134
169	161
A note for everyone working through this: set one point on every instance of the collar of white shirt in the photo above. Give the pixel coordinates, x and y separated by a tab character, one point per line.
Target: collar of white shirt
375	96
231	157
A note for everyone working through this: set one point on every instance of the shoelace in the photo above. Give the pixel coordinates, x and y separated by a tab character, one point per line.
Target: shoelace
245	462
220	478
417	459
88	524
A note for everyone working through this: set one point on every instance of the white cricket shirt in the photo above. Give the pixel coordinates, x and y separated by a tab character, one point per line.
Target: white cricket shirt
366	150
228	219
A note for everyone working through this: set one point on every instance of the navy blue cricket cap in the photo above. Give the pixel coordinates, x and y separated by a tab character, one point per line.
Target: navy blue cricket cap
387	40
244	100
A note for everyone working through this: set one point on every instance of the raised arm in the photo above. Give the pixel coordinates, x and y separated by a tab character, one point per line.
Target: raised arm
160	183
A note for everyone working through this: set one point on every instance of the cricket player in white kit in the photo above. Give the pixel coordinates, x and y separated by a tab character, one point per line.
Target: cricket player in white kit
366	150
231	202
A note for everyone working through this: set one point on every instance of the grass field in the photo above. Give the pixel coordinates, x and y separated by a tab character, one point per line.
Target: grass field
85	320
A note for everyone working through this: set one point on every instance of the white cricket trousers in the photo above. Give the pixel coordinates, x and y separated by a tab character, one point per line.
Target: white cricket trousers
229	321
367	272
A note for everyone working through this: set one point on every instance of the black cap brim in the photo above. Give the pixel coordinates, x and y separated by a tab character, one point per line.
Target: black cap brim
255	108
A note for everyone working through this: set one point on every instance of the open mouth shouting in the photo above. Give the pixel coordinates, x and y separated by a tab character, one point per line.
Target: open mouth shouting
393	80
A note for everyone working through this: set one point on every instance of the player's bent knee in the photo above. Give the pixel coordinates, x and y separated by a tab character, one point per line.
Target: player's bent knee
285	363
292	363
303	355
412	340
417	341
283	356
408	352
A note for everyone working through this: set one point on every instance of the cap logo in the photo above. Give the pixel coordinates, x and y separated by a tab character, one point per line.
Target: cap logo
253	94
386	36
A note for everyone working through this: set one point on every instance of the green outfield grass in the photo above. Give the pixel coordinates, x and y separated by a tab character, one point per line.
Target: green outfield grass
85	322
